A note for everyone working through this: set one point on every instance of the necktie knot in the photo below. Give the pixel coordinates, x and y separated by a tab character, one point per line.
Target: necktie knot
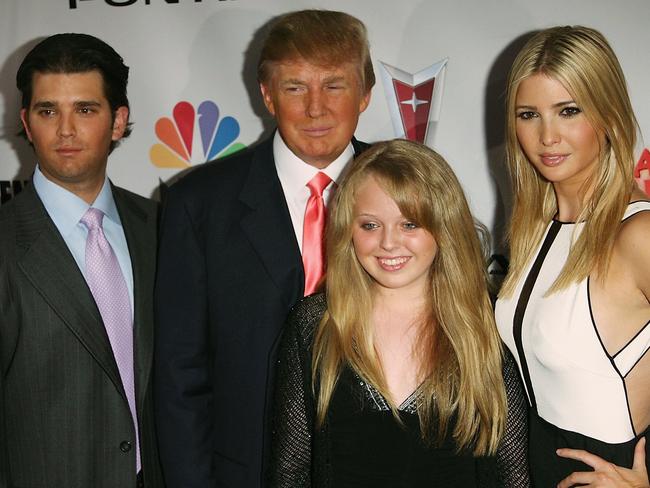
92	219
318	183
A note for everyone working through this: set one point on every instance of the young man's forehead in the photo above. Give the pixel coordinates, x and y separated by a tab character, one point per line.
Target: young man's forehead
57	82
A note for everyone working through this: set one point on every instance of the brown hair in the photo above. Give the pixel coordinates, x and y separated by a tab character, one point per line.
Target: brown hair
322	37
76	53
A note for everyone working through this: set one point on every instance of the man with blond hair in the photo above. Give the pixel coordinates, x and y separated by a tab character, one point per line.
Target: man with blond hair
241	242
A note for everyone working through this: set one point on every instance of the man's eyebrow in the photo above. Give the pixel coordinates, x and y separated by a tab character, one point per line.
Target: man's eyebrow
329	79
292	81
44	104
334	78
87	103
79	103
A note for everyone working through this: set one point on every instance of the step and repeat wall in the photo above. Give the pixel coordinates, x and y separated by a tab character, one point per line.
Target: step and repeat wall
192	58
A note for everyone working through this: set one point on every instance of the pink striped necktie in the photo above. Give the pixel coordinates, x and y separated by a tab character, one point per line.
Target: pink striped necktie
108	286
313	233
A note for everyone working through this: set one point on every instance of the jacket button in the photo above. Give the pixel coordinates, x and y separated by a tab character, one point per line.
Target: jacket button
125	446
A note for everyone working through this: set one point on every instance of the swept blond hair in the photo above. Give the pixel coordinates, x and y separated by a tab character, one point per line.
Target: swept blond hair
582	60
322	37
459	347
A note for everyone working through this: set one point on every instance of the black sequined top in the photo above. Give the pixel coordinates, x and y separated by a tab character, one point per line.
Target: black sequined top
362	444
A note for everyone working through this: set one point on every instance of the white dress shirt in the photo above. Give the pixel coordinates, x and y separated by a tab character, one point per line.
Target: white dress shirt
294	174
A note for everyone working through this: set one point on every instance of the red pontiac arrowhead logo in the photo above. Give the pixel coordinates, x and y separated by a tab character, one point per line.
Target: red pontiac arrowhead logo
414	99
414	107
642	171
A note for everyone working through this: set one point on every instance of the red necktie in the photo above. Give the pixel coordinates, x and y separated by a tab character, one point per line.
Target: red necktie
313	232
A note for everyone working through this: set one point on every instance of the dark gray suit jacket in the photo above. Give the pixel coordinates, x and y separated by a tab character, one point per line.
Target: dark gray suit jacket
64	417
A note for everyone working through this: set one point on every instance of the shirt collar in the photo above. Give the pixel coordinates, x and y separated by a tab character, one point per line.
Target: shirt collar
294	173
65	208
106	203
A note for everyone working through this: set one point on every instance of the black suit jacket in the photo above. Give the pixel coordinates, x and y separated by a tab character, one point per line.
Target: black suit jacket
229	271
63	412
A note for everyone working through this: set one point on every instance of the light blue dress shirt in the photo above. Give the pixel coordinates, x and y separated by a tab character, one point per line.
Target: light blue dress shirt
66	209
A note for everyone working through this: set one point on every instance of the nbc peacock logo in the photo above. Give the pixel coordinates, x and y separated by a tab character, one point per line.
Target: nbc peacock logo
179	136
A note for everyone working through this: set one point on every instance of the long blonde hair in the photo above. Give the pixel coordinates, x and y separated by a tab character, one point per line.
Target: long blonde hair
462	356
581	59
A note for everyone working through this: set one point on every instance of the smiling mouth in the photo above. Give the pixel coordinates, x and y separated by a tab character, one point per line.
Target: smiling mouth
393	264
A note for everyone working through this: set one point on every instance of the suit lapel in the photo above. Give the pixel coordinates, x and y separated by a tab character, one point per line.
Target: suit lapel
140	232
268	225
53	272
359	146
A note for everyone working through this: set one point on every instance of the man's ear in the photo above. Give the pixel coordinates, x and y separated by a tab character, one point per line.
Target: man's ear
120	120
267	96
364	102
25	122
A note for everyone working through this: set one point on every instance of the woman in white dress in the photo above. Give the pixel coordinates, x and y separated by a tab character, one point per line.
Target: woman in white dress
574	307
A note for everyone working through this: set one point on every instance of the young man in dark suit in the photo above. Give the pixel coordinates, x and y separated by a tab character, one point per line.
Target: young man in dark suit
240	244
77	262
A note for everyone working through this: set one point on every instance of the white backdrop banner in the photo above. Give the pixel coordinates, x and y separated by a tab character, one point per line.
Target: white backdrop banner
194	95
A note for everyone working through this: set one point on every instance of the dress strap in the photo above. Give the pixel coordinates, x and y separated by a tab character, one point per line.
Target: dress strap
634	208
633	351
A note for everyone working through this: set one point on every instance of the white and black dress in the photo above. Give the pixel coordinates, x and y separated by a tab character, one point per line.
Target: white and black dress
576	389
